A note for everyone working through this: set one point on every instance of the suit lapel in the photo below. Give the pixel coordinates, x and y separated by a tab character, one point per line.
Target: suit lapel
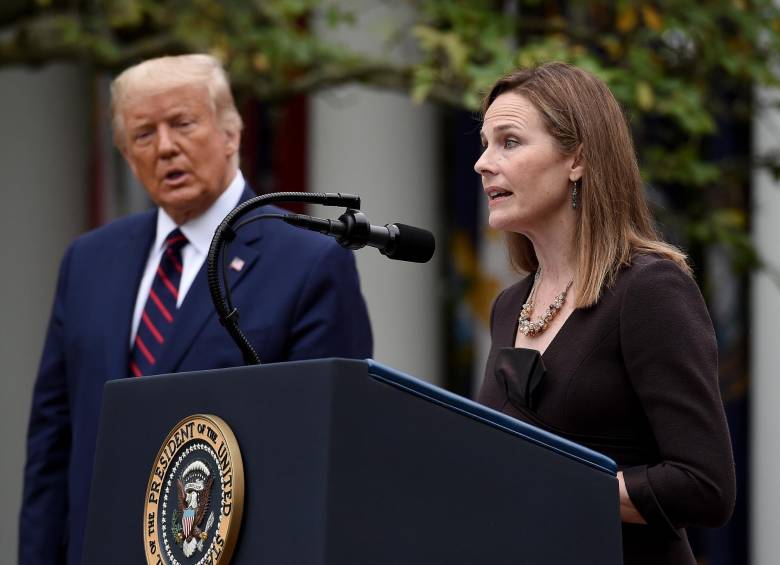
198	307
124	275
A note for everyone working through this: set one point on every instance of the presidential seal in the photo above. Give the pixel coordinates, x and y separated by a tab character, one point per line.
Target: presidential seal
195	495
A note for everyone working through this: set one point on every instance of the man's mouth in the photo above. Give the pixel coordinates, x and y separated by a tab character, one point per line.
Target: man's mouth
174	176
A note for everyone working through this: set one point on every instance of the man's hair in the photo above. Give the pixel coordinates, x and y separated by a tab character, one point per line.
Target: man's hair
613	219
165	73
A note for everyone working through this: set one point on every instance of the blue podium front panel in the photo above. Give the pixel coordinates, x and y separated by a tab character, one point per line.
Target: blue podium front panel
349	462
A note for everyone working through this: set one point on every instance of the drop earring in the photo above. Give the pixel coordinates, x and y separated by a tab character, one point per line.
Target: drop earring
574	190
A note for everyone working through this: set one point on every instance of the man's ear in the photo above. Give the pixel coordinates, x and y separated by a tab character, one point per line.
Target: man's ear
130	163
233	142
577	165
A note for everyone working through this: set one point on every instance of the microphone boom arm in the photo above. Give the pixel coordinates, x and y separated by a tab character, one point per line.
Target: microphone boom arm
224	234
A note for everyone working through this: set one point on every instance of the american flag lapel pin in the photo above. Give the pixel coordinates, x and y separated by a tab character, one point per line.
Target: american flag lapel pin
237	264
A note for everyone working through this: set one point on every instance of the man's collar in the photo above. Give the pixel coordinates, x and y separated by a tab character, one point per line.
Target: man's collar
199	231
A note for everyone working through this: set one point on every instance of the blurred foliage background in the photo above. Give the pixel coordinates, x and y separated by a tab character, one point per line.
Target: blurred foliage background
683	69
687	73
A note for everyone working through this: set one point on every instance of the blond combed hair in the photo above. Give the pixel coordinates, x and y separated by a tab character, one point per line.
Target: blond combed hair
613	221
164	73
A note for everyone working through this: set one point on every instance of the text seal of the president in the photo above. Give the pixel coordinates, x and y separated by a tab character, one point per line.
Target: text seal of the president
195	495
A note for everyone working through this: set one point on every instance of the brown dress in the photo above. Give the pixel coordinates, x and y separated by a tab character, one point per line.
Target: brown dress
633	377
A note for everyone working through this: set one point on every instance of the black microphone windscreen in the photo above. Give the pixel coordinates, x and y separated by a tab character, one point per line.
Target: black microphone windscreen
413	244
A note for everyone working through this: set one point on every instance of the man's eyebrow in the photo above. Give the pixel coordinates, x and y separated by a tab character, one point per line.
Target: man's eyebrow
139	124
178	113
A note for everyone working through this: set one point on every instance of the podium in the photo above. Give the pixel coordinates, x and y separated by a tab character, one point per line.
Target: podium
351	462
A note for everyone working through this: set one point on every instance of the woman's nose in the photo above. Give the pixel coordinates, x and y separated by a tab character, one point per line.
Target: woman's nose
484	165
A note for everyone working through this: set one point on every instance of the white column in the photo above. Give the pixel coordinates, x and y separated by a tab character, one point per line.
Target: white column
44	152
384	148
765	349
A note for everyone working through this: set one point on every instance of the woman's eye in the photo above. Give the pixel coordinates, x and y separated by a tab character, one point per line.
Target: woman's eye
509	143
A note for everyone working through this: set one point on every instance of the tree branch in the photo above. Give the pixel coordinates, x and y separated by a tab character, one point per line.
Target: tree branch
372	74
65	37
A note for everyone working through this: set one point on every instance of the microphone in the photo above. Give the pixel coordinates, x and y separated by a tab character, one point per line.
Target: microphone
353	231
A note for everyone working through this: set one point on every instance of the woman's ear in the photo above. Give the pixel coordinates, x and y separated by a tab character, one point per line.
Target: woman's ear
577	165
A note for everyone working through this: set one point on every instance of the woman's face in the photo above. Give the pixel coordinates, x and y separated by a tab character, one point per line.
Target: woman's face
524	175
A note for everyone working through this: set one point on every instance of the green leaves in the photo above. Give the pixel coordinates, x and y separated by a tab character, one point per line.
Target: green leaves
726	228
671	63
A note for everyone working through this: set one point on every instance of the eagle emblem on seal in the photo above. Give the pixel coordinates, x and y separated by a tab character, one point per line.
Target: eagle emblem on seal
194	487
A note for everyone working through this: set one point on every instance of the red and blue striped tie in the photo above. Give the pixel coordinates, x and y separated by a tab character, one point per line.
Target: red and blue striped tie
154	329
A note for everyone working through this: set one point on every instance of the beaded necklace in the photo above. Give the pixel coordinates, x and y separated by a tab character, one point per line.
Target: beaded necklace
534	327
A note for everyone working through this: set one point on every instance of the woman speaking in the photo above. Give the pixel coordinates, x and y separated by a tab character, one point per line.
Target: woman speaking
628	353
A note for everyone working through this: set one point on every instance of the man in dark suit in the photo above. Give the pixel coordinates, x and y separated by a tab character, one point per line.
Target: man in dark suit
132	296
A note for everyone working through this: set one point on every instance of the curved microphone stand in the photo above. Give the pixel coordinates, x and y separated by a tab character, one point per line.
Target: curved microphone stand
225	233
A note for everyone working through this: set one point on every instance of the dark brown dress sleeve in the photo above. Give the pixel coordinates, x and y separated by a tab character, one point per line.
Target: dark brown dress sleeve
670	353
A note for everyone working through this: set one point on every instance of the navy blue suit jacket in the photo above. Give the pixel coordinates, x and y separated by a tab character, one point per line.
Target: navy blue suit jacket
298	295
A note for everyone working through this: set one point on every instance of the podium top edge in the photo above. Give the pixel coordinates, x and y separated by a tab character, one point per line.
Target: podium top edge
414	386
482	413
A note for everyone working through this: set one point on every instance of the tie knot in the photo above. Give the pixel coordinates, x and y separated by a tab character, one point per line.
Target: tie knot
175	240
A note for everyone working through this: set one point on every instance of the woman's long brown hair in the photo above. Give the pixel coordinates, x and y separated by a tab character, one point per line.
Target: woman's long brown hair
614	221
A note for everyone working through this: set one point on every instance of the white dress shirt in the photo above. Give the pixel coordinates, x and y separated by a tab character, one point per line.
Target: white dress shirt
199	232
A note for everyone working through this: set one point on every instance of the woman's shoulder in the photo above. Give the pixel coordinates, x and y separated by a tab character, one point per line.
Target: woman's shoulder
649	260
647	270
648	278
652	282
